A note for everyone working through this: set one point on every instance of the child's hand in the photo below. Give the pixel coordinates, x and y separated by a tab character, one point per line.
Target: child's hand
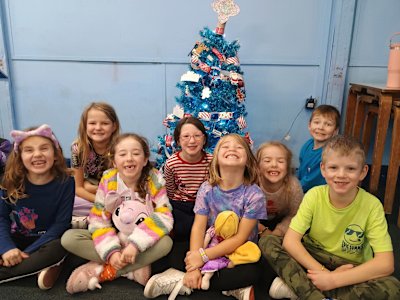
321	279
129	254
13	257
116	262
192	279
193	261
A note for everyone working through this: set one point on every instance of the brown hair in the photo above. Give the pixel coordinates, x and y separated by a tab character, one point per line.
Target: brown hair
15	172
289	168
250	172
190	120
344	146
327	111
144	176
84	142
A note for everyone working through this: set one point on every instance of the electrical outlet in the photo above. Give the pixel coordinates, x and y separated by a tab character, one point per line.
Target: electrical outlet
311	103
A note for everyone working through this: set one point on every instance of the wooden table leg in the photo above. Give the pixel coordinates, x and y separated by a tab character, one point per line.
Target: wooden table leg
350	110
385	106
394	162
359	116
367	129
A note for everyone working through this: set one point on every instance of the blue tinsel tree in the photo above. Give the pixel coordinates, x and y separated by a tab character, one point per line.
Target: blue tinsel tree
212	90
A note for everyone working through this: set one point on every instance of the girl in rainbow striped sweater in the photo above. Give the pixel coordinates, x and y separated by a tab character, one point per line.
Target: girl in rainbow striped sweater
132	179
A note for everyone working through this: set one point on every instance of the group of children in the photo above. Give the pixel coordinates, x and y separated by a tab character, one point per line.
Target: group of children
231	212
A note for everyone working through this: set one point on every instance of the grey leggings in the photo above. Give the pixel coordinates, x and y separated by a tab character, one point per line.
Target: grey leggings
80	243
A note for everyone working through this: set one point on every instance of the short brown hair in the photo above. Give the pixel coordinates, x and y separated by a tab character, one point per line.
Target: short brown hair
190	120
328	111
344	145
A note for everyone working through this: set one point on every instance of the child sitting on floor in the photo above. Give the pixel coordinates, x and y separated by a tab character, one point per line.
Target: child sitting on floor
324	123
37	195
338	243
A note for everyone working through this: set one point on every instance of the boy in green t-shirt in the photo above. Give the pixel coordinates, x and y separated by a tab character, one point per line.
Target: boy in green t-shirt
338	243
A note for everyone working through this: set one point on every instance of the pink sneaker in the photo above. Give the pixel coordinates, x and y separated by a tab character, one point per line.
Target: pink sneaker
84	278
48	277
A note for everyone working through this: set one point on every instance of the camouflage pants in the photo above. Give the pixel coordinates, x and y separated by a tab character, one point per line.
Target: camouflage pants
296	277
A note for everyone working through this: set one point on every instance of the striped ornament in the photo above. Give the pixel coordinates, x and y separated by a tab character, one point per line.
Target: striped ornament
218	54
225	115
203	115
241	122
232	60
204	67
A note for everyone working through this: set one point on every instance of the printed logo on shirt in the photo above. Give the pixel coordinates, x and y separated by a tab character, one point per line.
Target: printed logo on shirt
353	239
26	217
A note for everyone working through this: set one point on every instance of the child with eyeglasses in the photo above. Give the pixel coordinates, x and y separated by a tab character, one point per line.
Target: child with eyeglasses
184	172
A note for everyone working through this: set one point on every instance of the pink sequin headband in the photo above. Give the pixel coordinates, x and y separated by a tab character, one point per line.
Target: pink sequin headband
43	130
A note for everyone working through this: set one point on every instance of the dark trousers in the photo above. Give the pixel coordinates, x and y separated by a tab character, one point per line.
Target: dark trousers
183	219
49	254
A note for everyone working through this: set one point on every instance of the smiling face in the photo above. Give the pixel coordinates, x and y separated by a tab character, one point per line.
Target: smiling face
343	174
99	127
231	153
37	155
322	127
129	159
273	167
192	141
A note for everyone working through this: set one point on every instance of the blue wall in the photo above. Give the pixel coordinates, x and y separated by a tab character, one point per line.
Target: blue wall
64	54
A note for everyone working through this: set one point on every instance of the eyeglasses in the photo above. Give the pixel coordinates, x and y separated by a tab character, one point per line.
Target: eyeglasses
187	137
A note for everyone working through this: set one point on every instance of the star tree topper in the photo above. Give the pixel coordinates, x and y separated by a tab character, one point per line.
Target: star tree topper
225	9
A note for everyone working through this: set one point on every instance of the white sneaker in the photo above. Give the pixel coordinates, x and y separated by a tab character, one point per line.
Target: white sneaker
280	290
169	282
241	294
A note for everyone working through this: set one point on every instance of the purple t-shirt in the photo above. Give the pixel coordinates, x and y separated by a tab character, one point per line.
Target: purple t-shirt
247	201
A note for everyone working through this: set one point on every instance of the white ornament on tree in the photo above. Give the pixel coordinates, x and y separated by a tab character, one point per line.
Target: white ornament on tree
206	93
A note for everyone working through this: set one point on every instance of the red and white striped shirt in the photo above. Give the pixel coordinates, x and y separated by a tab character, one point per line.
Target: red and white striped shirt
183	179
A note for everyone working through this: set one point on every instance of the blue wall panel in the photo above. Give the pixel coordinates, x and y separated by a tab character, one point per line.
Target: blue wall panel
132	54
56	93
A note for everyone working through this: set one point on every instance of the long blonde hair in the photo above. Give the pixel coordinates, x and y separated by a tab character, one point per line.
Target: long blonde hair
250	172
84	142
289	169
15	172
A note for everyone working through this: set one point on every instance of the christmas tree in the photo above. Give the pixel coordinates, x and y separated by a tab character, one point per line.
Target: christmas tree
213	88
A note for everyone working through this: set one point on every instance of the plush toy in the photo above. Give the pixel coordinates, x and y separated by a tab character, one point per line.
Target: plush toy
128	211
225	226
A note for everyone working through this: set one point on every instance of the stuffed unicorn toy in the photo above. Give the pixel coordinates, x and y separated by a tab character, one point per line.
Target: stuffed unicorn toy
128	212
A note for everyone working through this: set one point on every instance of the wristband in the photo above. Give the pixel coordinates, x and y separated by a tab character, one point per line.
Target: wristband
203	255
